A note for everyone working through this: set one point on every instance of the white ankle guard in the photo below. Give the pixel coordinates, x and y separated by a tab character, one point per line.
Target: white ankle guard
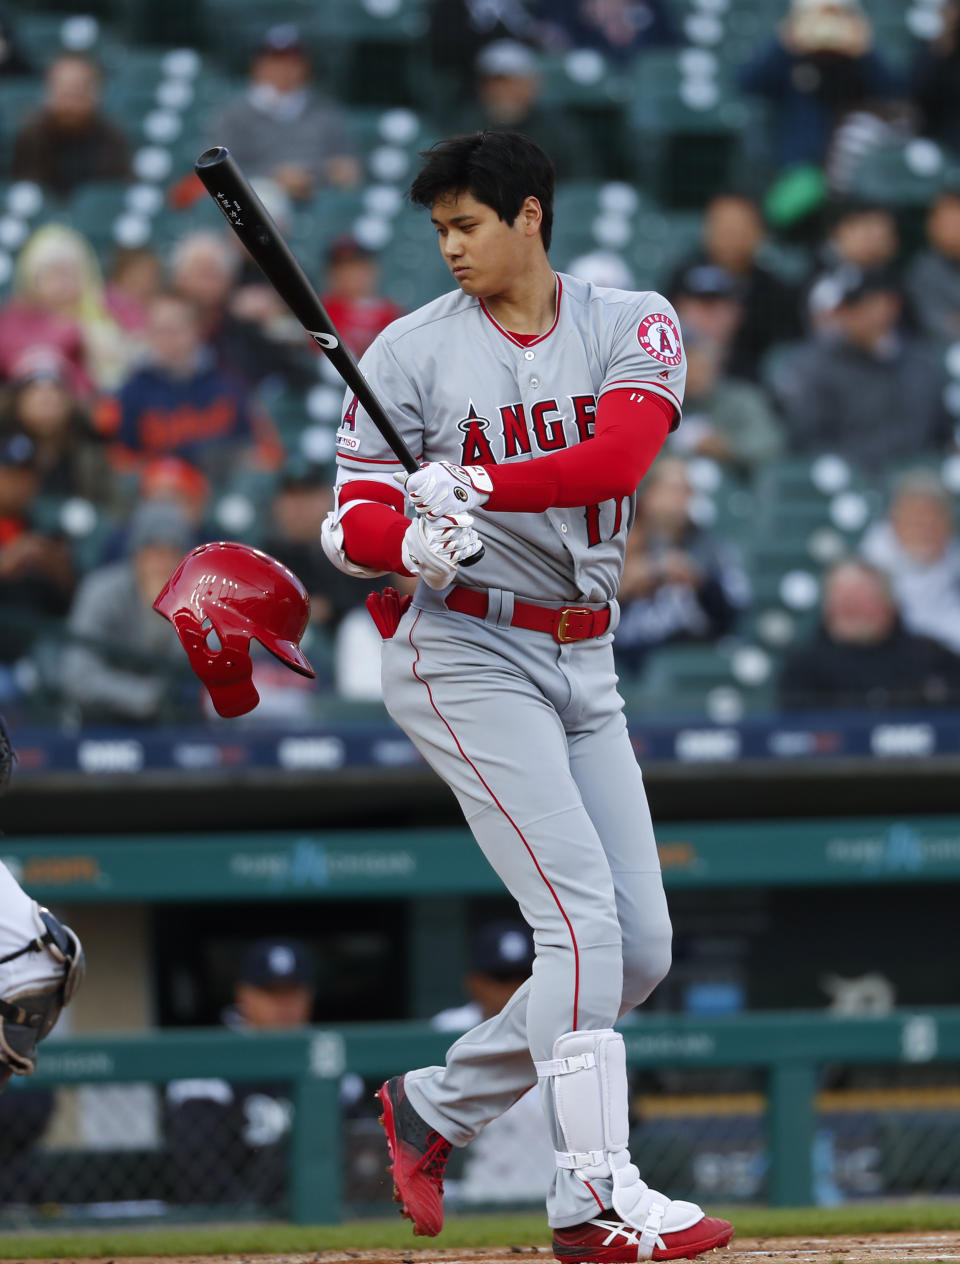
589	1073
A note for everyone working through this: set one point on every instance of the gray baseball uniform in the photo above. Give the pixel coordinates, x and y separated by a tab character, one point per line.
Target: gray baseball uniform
528	732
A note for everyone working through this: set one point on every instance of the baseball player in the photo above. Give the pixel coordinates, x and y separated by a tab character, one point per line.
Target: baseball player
537	402
41	962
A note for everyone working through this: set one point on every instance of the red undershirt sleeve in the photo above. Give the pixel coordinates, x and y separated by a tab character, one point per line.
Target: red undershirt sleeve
629	431
373	531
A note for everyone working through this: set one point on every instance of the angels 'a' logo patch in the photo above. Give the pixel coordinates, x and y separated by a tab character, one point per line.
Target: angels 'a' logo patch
658	336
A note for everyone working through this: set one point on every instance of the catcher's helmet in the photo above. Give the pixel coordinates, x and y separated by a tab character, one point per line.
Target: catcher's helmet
229	594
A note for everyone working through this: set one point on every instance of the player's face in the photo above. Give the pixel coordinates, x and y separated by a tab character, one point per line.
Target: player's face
485	255
275	1007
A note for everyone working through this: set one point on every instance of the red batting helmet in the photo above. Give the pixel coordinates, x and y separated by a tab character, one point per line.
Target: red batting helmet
240	594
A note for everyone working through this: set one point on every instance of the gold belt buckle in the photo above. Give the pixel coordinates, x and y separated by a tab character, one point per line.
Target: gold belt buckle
565	615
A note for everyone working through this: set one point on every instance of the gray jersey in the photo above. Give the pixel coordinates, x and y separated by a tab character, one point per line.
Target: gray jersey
461	388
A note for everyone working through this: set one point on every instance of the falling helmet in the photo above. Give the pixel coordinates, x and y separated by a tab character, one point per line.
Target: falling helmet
221	597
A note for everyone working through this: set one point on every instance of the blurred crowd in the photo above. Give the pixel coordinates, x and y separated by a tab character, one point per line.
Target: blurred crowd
138	383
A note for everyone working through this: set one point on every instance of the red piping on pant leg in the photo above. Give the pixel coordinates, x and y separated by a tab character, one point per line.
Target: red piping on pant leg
594	1193
468	760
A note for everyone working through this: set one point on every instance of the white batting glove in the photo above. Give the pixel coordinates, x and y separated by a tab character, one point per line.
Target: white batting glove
441	488
433	548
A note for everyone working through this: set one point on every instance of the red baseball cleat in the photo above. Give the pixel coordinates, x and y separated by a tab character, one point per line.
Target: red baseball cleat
418	1157
609	1240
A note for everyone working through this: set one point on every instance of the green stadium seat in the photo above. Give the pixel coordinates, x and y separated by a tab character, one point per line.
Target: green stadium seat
94	208
583	79
694	680
18	99
905	175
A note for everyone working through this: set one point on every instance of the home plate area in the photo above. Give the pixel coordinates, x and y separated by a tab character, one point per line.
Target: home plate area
849	1249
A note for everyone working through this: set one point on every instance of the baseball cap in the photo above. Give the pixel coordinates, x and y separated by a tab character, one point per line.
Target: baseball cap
848	284
707	280
502	949
345	248
17	451
506	57
284	37
173	476
271	961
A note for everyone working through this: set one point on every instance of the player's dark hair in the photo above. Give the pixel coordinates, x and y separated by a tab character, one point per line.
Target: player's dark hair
499	169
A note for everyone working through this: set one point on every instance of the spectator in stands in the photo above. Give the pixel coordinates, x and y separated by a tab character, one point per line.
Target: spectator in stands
59	302
351	294
243	337
460	29
679	582
818	67
168	479
725	418
733	238
70	457
708	301
68	141
293	537
933	280
618	28
171	478
936	80
126	665
135	277
13	58
283	129
916	547
180	404
860	235
36	572
512	1160
861	389
229	1141
507	98
863	656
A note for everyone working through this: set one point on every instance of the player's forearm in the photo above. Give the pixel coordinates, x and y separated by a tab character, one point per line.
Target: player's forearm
373	536
628	435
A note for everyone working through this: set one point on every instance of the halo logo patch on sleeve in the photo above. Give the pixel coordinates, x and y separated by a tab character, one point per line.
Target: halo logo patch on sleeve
658	336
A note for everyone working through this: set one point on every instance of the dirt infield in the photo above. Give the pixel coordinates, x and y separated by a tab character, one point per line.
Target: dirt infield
892	1248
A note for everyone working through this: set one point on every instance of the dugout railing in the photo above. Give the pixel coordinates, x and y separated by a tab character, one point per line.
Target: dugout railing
788	1048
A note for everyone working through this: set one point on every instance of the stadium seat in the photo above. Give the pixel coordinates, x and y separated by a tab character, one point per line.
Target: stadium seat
687	680
909	174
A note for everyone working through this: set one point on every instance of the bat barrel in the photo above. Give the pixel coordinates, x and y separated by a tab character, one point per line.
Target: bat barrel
251	222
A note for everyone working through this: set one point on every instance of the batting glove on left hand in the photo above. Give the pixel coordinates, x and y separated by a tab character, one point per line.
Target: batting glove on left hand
440	488
434	548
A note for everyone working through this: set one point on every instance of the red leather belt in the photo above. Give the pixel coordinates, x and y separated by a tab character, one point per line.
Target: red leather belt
569	623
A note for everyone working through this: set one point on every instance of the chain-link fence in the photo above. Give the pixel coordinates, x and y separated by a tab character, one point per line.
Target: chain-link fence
202	1147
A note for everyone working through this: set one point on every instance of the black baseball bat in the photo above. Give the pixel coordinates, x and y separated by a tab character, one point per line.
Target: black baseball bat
253	224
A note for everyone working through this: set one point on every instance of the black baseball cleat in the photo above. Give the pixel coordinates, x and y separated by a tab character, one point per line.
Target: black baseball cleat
418	1158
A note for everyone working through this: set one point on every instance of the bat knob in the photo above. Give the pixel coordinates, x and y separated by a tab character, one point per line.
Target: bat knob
212	157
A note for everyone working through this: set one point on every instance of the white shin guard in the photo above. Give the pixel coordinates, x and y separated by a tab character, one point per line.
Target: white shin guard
589	1074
